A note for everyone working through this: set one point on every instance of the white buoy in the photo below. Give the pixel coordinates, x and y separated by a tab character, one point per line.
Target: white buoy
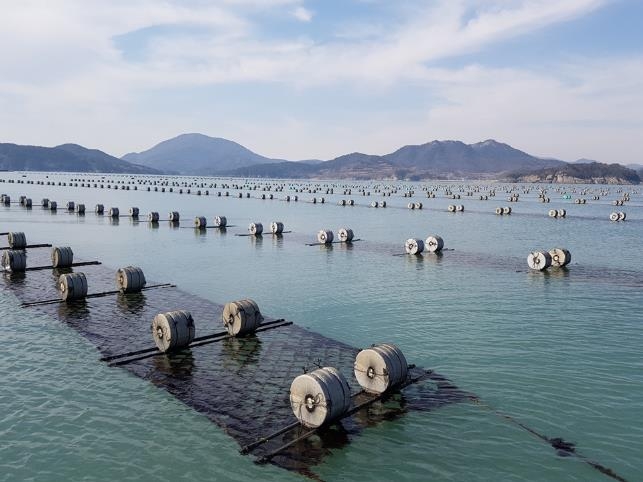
255	229
434	244
553	213
241	317
14	261
414	246
319	397
200	222
153	217
173	216
614	217
130	279
17	240
345	235
62	257
173	330
325	236
560	257
277	227
380	368
72	286
539	260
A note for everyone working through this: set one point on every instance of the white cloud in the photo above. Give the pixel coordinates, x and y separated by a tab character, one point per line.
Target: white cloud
303	14
60	62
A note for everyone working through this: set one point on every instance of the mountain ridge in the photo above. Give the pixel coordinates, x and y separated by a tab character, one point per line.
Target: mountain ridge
65	157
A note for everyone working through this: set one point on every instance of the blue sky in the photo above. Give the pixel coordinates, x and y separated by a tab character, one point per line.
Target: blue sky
300	79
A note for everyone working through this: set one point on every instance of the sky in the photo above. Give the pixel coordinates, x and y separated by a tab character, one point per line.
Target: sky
315	79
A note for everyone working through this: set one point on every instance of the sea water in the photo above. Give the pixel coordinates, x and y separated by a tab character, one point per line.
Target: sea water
558	351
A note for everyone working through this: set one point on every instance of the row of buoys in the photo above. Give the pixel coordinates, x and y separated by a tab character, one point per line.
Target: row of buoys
415	205
433	244
580	201
506	210
378	204
346	202
344	235
455	208
619	202
618	216
175	330
323	395
73	286
557	213
541	260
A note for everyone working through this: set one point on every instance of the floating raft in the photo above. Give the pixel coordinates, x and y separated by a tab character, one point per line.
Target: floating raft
241	384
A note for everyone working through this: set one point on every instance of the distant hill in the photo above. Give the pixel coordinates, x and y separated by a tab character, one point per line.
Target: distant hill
437	159
590	173
67	157
198	154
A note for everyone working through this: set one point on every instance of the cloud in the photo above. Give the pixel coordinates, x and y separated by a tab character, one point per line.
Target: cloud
303	14
61	61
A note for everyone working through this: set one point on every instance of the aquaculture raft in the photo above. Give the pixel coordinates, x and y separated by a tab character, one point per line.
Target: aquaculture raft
241	384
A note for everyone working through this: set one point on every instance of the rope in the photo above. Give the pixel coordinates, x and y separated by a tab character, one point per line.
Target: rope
563	447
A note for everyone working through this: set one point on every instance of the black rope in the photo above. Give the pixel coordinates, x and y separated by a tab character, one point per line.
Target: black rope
563	447
84	263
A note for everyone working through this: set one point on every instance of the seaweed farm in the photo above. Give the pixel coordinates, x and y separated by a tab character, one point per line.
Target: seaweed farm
517	307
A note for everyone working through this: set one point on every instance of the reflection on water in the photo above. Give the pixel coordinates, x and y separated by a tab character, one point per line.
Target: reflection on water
240	352
178	365
114	221
131	303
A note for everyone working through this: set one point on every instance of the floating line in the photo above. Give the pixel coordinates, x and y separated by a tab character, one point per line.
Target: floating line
73	265
93	295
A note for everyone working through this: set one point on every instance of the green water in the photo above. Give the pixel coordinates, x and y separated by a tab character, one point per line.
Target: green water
558	351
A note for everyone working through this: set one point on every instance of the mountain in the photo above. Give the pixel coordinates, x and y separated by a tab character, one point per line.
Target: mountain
198	154
590	173
67	157
437	159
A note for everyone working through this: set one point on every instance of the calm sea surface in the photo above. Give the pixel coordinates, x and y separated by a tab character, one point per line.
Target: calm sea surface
559	351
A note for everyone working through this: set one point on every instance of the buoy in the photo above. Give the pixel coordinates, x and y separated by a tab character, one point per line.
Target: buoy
506	210
325	236
451	208
459	208
53	206
174	216
319	397
380	368
553	213
560	257
621	216
434	244
153	217
418	205
80	209
277	227
255	229
539	260
414	246
62	257
375	204
200	222
411	205
173	330
345	235
220	221
17	240
14	261
113	212
562	213
133	212
130	279
499	211
614	217
28	202
241	317
44	203
99	209
72	286
70	206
